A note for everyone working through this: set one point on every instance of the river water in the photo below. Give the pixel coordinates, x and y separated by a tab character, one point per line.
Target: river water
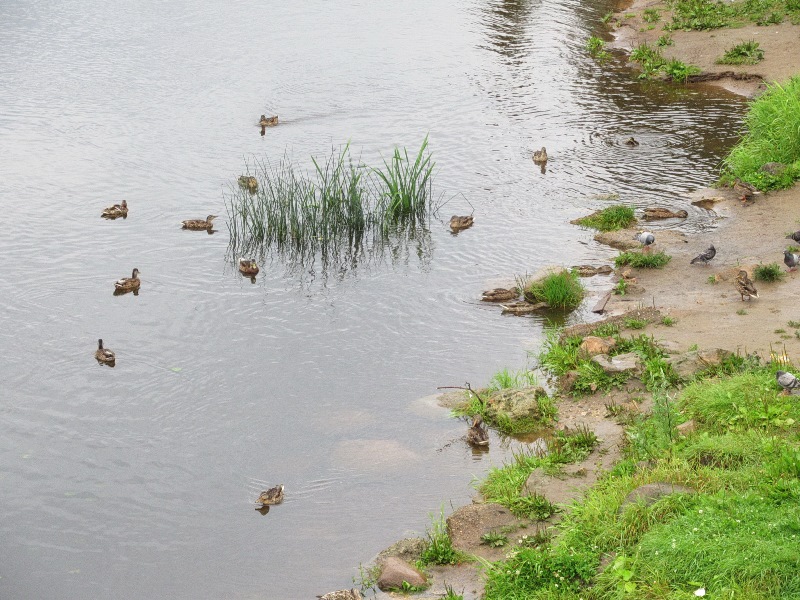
139	481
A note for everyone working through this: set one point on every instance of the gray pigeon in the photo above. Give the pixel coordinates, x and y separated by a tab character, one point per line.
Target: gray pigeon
791	260
645	238
794	236
705	257
787	381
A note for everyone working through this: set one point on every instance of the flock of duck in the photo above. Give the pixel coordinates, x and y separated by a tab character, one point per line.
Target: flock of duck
247	266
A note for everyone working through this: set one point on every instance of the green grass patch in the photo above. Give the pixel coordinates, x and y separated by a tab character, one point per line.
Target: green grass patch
668	321
611	218
768	273
621	288
654	63
771	135
651	15
439	548
633	323
506	379
559	290
665	40
642	260
597	49
745	53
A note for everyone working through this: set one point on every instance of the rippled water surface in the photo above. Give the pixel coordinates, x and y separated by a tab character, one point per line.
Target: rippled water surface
139	481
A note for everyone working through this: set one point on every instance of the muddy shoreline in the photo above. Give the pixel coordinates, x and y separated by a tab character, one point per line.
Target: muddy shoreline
701	299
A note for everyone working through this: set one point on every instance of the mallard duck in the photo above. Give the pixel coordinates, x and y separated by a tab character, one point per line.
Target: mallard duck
745	190
745	287
249	183
116	211
268	121
104	355
200	224
500	295
271	496
459	223
128	284
477	434
248	266
540	156
631	141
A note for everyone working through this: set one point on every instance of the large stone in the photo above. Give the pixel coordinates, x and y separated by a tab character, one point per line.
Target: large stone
536	484
687	364
589	270
395	571
622	363
773	168
651	492
687	428
593	345
624	238
517	404
407	549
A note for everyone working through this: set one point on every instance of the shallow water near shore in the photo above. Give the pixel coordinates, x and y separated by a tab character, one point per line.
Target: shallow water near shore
139	481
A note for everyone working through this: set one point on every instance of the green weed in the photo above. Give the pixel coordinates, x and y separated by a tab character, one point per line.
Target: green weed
505	379
633	323
769	273
651	15
746	53
596	48
494	539
621	288
668	321
439	549
741	312
665	40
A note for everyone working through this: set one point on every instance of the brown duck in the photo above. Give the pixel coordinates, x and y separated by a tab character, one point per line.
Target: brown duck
128	284
458	223
268	121
116	211
540	156
247	266
104	355
477	434
745	287
500	295
270	497
200	224
249	183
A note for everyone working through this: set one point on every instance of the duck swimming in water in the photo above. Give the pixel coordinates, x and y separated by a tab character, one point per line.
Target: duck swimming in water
200	224
116	211
270	497
104	355
540	156
477	434
268	121
247	266
459	223
128	284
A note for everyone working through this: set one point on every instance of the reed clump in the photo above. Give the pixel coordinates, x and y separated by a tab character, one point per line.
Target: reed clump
339	211
562	289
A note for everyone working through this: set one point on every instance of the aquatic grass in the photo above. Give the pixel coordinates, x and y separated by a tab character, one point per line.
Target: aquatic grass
769	273
679	71
641	260
771	124
611	218
339	212
562	289
745	53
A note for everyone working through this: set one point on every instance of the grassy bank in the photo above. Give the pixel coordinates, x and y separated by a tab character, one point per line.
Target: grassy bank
772	135
735	536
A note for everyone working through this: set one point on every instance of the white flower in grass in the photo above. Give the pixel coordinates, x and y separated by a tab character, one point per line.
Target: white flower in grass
700	592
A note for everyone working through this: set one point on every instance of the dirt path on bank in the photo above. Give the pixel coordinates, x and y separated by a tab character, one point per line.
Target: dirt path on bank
781	45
